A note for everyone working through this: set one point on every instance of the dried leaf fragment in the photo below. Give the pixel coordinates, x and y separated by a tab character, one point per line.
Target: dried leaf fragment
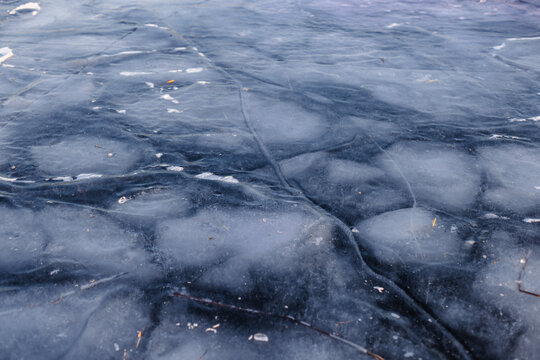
139	336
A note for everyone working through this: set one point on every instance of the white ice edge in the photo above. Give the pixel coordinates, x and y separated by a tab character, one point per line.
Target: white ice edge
498	136
532	118
88	176
130	52
2	178
210	176
524	38
8	179
28	6
169	98
134	73
174	168
5	53
194	70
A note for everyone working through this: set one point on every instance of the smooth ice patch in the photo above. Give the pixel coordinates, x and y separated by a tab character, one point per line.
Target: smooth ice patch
436	174
409	236
83	155
230	243
279	122
158	203
513	172
81	237
44	322
351	172
22	240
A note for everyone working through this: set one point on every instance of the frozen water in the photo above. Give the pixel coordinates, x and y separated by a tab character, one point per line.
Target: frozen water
228	246
335	176
513	173
75	156
437	175
66	321
21	249
409	235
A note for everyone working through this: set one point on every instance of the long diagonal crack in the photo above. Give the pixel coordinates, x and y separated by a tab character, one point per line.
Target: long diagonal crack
458	346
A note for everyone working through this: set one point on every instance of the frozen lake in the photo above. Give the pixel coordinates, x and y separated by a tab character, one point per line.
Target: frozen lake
261	179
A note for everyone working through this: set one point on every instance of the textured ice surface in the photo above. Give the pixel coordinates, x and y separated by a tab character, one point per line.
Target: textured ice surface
409	235
68	321
75	156
231	247
437	175
55	238
269	179
513	173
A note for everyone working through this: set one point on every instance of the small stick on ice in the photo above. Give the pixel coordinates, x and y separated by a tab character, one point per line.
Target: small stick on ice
524	264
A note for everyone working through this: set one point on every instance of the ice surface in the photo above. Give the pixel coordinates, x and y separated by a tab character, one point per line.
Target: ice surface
62	237
65	321
437	175
229	246
21	249
513	173
336	176
80	155
409	235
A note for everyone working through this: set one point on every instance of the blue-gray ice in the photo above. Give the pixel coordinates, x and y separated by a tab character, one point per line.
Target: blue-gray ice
203	179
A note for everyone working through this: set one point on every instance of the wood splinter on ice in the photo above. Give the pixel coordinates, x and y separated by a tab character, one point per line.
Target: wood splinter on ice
139	336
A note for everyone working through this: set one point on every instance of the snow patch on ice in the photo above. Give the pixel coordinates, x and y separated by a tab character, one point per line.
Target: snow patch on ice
134	73
210	176
31	6
5	53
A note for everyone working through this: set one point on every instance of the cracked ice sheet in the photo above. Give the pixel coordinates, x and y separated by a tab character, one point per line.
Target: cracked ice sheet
60	325
62	239
379	115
